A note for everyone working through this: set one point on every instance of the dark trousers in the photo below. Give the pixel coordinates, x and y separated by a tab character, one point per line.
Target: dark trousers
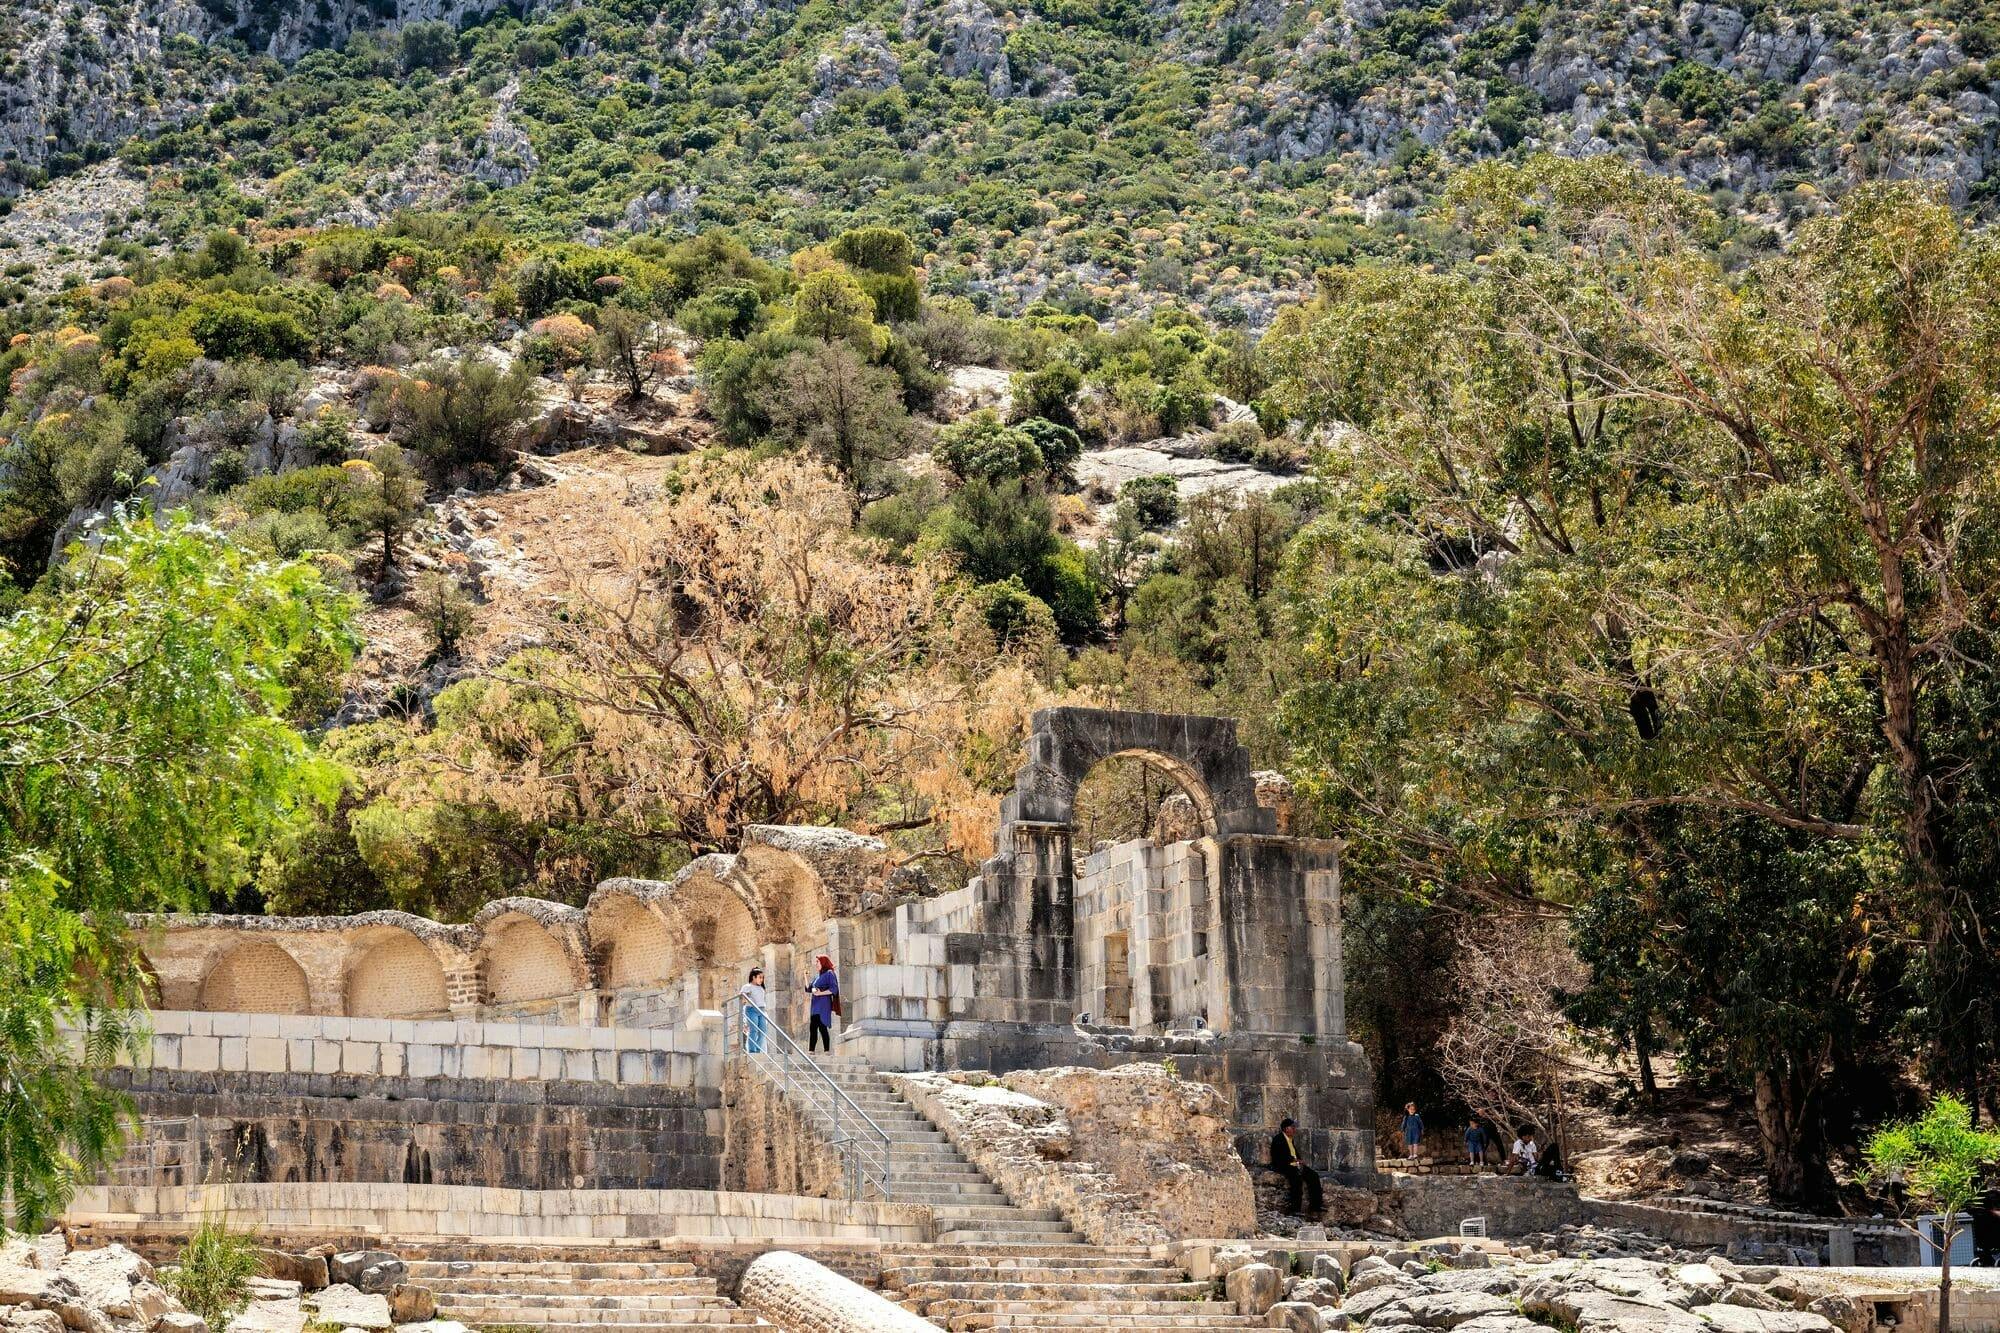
1305	1183
821	1032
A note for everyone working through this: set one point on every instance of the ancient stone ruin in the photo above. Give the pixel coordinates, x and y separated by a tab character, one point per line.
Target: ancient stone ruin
1045	1108
1216	946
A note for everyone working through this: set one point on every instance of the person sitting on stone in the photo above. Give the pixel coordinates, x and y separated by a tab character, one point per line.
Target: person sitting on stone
1285	1160
1522	1156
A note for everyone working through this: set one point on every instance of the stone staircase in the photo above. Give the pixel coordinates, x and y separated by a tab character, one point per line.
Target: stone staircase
569	1296
1046	1288
925	1168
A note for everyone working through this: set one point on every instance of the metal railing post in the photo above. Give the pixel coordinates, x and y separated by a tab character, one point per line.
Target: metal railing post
866	1152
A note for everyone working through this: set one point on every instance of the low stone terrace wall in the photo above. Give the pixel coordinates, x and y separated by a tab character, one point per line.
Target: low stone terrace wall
1433	1205
271	1098
432	1048
397	1211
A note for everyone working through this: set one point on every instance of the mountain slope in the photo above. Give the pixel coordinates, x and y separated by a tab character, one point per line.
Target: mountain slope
1103	155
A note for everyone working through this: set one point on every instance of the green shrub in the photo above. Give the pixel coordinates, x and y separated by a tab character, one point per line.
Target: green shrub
212	1277
1154	501
984	447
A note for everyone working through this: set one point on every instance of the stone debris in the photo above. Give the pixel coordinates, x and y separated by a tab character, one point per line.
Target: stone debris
45	1288
373	1271
347	1307
1130	1156
1428	1288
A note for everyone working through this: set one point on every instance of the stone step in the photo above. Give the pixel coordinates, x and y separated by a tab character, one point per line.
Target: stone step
1002	1295
988	1236
982	1207
486	1316
588	1269
1069	1323
691	1300
901	1278
1073	1249
667	1324
1055	1314
562	1286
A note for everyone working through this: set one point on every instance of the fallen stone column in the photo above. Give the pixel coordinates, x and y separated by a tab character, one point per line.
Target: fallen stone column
797	1294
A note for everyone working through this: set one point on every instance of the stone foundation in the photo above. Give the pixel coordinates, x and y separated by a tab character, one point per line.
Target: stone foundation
770	1145
1517	1206
446	1211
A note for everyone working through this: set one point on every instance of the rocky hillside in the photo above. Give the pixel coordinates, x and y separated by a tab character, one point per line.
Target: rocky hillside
1102	156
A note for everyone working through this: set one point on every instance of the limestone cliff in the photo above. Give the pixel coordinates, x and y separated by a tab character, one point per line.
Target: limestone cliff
78	78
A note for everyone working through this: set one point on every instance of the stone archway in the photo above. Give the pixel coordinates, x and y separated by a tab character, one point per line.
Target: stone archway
256	977
1201	754
395	975
720	926
635	945
524	961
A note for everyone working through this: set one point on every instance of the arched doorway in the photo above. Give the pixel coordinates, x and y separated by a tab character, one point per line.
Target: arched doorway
1132	821
1107	928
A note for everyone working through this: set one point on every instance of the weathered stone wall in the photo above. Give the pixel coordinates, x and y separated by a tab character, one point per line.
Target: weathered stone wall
1023	1145
397	1210
794	1293
1164	1139
526	1134
769	1145
771	904
1130	1157
1517	1206
1326	1086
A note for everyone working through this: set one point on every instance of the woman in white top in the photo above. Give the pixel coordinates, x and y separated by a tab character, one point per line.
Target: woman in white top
1524	1152
756	1003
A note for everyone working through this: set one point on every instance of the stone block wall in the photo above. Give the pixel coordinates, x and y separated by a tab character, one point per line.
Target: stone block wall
531	1134
1516	1206
311	1098
770	1145
431	1048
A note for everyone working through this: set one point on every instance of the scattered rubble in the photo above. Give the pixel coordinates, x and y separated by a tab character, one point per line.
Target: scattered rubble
47	1288
1480	1287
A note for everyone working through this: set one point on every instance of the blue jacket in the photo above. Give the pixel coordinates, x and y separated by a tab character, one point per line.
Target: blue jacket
1413	1128
822	1005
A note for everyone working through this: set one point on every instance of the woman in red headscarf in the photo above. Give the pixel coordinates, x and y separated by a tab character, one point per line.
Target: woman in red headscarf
825	1004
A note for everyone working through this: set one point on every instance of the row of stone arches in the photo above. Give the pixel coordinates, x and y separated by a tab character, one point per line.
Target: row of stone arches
716	916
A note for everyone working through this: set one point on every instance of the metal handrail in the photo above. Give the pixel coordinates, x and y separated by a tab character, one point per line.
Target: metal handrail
864	1147
165	1144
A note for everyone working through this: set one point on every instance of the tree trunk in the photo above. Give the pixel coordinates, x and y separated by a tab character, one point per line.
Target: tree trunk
1947	1235
1642	1050
1794	1157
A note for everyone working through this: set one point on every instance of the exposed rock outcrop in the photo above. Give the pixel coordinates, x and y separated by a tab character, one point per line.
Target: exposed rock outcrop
1129	1156
45	1288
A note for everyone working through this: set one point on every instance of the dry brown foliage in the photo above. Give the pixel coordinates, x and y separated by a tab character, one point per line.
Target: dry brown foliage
741	656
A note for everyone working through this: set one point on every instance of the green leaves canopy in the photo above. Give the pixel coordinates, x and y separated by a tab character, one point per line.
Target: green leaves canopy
144	756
